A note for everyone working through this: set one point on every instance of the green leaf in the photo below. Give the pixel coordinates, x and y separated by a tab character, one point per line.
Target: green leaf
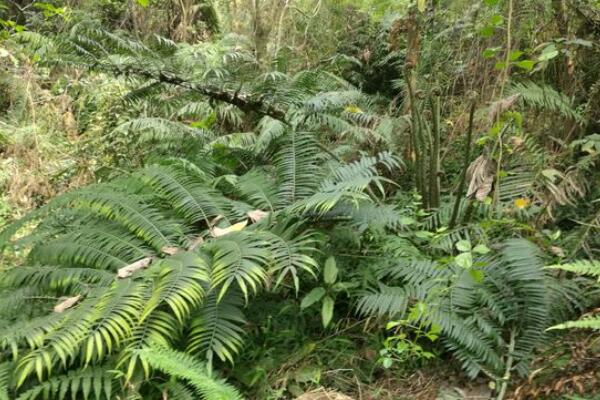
463	245
421	5
481	249
143	3
548	53
491	3
500	65
515	55
387	362
527	65
407	221
490	52
331	271
464	260
477	275
496	19
327	310
312	297
486	31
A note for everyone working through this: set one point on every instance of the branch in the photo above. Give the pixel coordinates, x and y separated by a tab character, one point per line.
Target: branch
243	101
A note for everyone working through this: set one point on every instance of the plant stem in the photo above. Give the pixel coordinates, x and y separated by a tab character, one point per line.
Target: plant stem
463	177
416	135
509	362
434	160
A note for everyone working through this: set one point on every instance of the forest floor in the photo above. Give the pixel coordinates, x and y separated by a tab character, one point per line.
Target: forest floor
569	368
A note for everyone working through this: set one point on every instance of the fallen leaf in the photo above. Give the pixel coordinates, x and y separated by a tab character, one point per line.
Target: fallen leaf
66	304
197	242
217	232
481	178
170	250
557	251
128	270
256	215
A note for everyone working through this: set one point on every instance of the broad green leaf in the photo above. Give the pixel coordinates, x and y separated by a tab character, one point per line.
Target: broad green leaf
463	245
500	65
515	55
496	19
407	221
330	272
477	275
421	5
481	249
327	310
486	31
527	65
548	55
143	3
387	362
312	297
464	260
490	52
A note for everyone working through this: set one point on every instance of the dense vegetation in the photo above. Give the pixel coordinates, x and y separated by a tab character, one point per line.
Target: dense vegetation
222	199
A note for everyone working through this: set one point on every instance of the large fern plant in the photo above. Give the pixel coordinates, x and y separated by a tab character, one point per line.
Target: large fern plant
491	311
166	256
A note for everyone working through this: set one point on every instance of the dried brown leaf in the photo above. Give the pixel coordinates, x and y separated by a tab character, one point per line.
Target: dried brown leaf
66	304
130	269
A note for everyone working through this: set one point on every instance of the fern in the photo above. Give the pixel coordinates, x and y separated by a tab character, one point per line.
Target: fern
215	329
584	323
183	366
473	315
89	383
582	267
545	98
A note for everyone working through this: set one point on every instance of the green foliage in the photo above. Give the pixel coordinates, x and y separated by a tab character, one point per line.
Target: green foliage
583	267
240	210
545	98
469	305
182	366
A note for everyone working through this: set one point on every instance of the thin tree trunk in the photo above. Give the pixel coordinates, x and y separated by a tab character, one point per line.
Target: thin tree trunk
434	167
463	177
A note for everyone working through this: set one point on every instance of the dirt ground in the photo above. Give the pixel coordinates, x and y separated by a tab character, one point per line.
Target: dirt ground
568	369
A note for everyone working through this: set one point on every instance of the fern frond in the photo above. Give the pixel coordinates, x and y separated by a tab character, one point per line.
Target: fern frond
5	368
194	200
296	167
216	327
89	383
259	189
183	366
585	323
291	252
144	220
545	98
384	301
179	285
239	258
582	267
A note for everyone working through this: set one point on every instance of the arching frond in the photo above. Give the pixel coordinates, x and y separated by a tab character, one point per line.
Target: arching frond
193	199
183	366
180	285
545	98
297	168
239	258
216	328
89	383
